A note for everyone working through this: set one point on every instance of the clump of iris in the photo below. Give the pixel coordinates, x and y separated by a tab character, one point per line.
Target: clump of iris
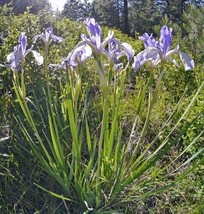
159	51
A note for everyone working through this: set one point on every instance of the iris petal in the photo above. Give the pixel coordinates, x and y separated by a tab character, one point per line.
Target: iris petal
38	57
128	50
94	32
166	38
23	42
187	61
77	56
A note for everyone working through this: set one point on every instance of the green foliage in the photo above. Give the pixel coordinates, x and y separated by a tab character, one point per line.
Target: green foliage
20	6
64	140
143	15
193	27
77	10
106	13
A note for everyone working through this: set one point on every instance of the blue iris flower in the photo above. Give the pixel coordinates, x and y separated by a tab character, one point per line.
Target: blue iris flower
18	55
159	51
48	37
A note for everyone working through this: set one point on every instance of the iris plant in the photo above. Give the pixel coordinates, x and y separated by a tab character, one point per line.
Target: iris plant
159	51
92	163
94	39
115	49
110	47
77	56
18	55
48	37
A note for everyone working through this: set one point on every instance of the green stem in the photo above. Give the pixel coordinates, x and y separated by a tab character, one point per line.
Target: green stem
102	142
52	118
153	96
72	112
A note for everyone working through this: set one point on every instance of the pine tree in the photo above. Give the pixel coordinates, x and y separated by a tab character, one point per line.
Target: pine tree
20	6
71	9
126	17
77	10
143	15
106	12
193	20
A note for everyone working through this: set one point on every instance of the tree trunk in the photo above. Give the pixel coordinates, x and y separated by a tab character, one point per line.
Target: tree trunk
118	14
126	19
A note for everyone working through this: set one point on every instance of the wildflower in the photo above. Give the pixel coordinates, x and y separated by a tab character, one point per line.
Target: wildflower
48	37
18	55
79	55
159	51
111	47
94	39
116	50
75	57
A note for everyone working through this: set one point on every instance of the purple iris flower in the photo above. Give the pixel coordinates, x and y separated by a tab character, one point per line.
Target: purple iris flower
116	50
94	39
18	55
48	37
78	56
159	51
111	47
75	57
148	40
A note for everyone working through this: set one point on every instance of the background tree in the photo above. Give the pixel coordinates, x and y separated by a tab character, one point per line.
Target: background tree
106	12
20	6
193	20
143	15
126	17
71	9
77	10
174	10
